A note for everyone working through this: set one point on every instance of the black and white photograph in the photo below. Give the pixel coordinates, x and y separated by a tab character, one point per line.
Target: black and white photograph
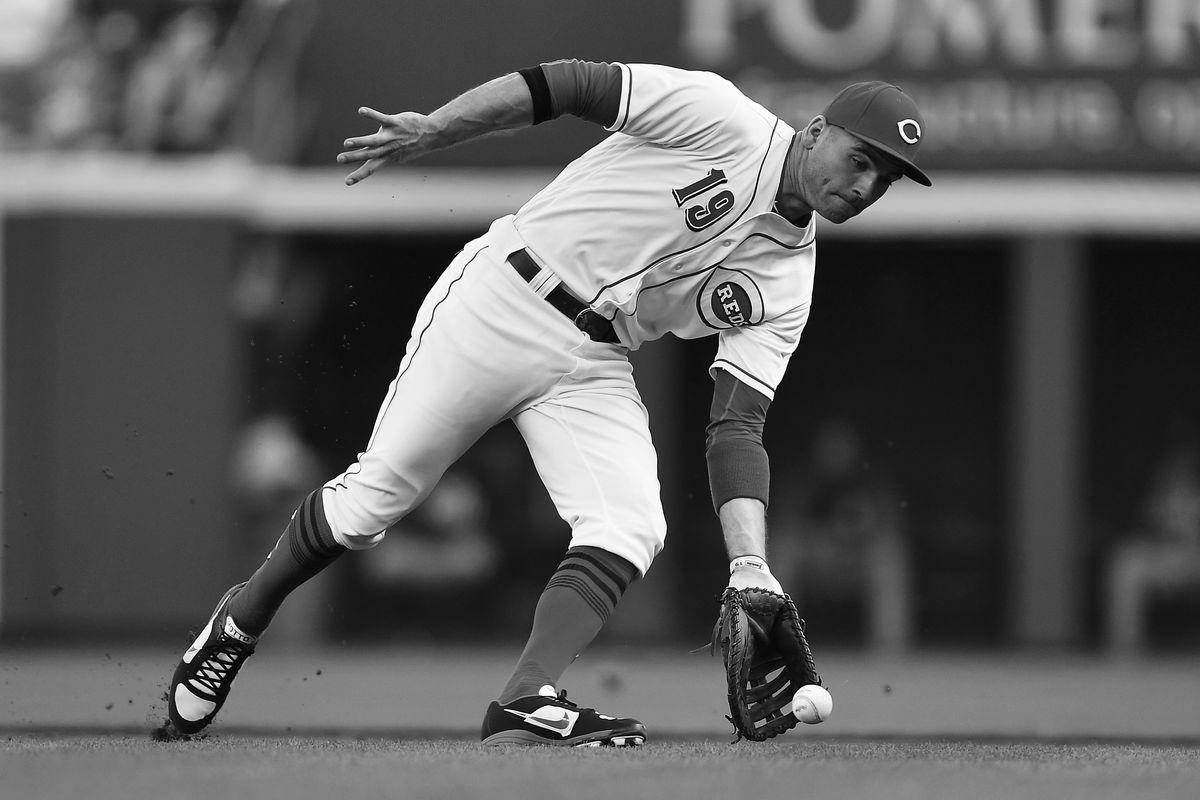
439	399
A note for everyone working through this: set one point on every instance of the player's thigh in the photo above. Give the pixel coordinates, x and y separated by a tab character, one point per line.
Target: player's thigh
462	372
592	449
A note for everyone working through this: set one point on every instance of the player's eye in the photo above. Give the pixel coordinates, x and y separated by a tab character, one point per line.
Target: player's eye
858	162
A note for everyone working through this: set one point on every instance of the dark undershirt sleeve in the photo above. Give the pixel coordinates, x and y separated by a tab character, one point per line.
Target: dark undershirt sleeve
737	462
586	89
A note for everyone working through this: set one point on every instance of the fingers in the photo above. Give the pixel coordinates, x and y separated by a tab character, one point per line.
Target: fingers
364	154
364	172
371	158
372	140
392	142
371	113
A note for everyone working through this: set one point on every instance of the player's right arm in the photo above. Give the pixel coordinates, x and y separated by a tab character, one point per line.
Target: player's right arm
500	104
671	107
585	89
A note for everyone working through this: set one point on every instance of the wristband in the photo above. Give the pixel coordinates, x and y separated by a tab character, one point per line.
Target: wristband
749	562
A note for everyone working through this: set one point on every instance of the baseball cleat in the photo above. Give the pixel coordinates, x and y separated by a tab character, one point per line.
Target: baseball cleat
549	718
201	681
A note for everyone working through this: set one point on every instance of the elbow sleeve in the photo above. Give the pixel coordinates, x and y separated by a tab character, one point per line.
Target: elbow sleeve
586	89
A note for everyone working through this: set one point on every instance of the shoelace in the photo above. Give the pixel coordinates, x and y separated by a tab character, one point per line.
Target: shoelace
562	698
220	664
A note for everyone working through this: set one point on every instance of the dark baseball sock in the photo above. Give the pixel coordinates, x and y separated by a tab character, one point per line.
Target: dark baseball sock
306	547
573	608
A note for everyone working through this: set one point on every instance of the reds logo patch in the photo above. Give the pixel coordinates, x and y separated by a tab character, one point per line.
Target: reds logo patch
729	299
731	304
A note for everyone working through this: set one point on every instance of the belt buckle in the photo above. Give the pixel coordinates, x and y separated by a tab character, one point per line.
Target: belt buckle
581	319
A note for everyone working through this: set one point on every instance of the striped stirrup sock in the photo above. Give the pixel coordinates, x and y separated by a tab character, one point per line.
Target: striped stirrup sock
577	601
306	547
597	576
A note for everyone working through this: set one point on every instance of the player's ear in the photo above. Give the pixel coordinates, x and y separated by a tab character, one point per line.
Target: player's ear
816	127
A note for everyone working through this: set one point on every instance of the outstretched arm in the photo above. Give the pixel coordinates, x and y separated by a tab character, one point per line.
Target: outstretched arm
501	104
589	90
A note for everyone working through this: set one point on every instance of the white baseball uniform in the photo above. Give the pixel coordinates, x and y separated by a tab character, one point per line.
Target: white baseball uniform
664	227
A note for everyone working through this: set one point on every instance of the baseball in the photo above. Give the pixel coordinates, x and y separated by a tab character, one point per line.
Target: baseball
812	704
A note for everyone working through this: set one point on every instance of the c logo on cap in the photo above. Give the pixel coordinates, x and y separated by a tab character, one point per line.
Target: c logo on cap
912	138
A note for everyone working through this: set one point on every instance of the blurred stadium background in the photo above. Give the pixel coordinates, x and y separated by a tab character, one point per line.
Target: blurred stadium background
987	443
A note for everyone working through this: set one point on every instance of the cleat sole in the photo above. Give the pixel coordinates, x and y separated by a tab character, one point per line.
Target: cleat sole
628	741
526	738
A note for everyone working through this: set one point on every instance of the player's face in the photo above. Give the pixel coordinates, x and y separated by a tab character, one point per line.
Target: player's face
842	175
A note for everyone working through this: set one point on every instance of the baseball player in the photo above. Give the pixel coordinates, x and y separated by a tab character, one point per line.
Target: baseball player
696	217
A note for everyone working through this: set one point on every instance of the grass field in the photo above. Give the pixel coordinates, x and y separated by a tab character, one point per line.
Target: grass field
403	723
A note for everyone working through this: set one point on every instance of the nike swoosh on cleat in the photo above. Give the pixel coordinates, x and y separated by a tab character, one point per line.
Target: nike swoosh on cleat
557	724
563	725
199	643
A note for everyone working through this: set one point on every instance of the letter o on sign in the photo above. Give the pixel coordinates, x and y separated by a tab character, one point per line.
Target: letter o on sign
910	130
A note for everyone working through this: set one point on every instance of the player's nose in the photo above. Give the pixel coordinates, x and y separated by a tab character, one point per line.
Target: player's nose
869	188
864	185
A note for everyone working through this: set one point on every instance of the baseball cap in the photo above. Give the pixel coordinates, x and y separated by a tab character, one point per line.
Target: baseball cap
883	116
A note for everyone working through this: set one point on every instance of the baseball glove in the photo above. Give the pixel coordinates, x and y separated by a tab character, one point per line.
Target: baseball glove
766	657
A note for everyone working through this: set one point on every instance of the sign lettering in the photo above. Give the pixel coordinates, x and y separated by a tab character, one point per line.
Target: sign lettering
1089	84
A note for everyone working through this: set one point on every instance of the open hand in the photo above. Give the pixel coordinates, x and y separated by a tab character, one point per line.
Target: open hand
401	137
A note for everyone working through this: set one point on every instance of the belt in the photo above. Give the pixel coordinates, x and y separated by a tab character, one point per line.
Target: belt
595	326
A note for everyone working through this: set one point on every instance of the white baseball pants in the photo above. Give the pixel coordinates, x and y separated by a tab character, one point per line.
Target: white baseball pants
484	348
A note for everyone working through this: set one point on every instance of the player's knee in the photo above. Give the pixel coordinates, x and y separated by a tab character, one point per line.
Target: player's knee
654	546
354	525
639	545
651	541
358	541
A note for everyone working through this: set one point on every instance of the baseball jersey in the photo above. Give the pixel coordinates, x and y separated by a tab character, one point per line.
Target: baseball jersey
667	225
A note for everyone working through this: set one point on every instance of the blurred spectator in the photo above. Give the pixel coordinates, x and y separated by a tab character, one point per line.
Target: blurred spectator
838	533
177	82
183	94
270	465
26	30
78	82
1162	555
191	76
